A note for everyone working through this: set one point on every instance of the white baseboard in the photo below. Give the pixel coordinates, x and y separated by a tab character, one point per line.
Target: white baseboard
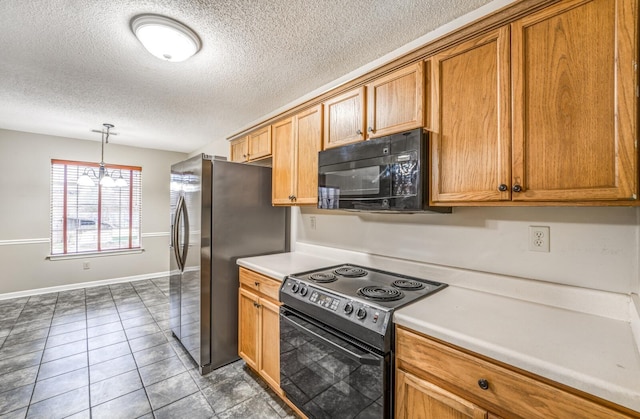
90	284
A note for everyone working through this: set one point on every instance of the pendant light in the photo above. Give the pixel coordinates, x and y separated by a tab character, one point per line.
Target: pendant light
104	177
165	38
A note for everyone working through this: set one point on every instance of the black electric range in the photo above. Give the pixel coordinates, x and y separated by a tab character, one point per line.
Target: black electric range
336	338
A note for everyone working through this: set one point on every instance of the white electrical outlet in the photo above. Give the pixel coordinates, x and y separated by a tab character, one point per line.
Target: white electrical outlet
86	265
539	238
312	221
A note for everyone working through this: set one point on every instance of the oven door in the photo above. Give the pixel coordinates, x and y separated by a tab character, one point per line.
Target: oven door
329	376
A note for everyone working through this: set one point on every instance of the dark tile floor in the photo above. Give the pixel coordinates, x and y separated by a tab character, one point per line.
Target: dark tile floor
107	352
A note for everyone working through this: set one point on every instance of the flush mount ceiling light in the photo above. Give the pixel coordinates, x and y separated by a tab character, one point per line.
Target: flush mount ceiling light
165	38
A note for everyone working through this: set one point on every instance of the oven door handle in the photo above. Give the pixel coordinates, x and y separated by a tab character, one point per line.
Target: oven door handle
369	359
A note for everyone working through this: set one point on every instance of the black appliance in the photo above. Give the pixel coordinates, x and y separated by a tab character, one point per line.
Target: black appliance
384	174
336	339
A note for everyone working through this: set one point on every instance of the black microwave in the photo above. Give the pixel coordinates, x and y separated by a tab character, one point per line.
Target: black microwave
384	174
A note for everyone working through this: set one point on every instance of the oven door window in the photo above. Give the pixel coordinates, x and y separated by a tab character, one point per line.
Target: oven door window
326	376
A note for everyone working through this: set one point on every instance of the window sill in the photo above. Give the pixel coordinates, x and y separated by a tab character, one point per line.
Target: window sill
86	255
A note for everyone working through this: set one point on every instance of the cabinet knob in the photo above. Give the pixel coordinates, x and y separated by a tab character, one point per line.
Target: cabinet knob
503	188
517	188
244	155
257	283
293	197
370	129
359	132
484	384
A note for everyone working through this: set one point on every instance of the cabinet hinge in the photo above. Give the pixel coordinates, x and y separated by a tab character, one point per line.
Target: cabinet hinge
635	65
634	196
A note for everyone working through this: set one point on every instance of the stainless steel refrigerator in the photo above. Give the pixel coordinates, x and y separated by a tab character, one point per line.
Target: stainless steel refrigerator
220	211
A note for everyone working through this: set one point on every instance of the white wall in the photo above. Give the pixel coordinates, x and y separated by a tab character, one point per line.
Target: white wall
25	164
594	248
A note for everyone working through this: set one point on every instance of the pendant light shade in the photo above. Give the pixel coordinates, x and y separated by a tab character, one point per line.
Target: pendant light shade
165	38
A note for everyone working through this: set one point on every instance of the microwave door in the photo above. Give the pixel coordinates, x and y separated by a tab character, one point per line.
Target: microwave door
354	182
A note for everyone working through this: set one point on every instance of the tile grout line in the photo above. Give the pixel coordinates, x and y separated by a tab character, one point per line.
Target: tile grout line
144	388
86	321
41	356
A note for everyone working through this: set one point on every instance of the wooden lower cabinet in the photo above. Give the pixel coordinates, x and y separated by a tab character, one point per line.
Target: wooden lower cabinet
270	342
259	327
418	398
435	380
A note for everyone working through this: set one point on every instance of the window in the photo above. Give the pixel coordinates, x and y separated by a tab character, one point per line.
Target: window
94	218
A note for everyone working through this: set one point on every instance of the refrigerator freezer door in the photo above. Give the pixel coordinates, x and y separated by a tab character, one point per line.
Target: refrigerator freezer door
195	287
175	265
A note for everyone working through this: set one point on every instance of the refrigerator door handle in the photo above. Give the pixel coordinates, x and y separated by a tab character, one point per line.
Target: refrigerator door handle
185	249
175	237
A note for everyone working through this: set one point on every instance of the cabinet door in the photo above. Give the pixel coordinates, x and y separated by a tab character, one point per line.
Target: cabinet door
270	342
575	105
344	119
309	142
395	102
248	328
471	141
260	143
239	150
283	162
417	398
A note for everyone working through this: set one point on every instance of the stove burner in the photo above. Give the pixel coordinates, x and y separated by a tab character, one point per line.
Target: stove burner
380	293
407	284
350	272
323	278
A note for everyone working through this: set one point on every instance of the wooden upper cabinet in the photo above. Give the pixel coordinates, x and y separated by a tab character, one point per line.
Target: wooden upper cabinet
297	141
396	102
567	73
309	142
344	118
284	151
239	150
254	146
575	105
470	105
259	143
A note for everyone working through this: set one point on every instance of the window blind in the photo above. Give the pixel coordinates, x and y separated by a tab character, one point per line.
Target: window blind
94	218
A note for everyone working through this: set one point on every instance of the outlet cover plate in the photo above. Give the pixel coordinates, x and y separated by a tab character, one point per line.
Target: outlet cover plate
539	239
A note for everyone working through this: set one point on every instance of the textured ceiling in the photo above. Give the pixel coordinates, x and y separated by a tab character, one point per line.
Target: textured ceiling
68	66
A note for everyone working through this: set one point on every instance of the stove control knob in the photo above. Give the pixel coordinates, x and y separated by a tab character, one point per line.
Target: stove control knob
348	308
303	290
295	288
361	313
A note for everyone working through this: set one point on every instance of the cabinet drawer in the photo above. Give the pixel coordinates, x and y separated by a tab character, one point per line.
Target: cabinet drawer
507	392
260	283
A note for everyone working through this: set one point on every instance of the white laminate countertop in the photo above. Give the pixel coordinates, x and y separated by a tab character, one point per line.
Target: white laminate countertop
279	265
590	351
594	354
